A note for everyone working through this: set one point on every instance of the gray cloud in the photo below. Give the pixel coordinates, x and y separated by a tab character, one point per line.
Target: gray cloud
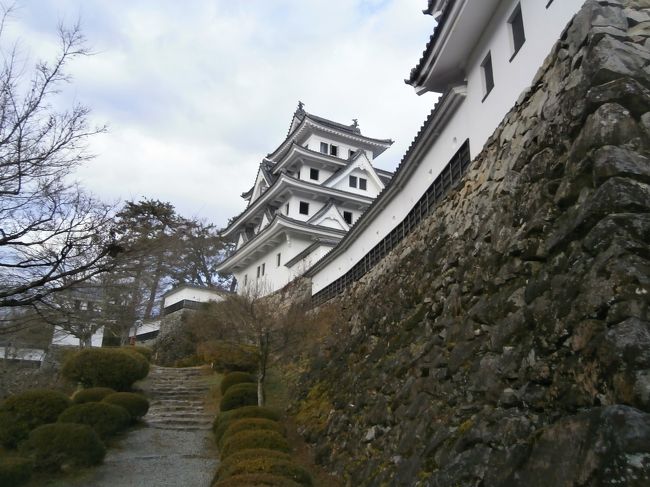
196	93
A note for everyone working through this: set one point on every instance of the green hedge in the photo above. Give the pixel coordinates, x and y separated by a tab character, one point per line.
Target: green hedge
270	440
229	357
273	466
143	362
104	367
244	412
15	471
93	394
145	351
238	396
136	404
246	424
247	455
234	378
106	419
256	480
53	445
21	413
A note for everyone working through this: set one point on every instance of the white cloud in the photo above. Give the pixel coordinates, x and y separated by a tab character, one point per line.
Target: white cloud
196	93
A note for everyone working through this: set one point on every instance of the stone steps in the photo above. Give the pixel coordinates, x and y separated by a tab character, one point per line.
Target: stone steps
177	399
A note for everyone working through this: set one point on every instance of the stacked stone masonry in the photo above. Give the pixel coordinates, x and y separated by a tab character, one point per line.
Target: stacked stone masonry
506	341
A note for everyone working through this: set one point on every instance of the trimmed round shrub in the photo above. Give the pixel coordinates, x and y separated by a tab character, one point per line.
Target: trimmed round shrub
273	466
256	480
243	455
136	404
234	378
244	412
52	446
236	426
93	394
103	367
239	395
106	419
145	351
270	440
21	413
143	362
15	471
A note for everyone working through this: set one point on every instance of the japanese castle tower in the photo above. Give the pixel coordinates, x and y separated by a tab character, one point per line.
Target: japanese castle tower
307	195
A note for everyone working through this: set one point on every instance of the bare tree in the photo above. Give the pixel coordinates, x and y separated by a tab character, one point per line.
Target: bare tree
52	234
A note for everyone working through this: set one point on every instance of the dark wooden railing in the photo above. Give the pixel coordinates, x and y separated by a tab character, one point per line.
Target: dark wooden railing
448	178
183	304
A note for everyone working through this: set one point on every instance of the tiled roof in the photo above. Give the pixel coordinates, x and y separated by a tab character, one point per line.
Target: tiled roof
416	72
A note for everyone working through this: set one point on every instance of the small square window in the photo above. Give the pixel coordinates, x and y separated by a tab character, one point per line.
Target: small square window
350	153
263	268
353	181
488	75
347	216
304	208
324	148
279	258
517	31
334	150
363	184
313	174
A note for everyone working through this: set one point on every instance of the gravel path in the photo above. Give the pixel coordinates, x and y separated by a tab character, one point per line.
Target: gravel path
174	448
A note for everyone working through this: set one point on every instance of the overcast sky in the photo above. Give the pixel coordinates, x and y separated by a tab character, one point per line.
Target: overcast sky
196	92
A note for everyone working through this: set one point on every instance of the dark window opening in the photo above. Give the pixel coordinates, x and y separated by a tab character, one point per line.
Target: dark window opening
259	270
488	75
286	207
353	181
363	184
245	279
324	148
347	216
279	257
350	153
304	208
313	174
517	29
334	150
263	268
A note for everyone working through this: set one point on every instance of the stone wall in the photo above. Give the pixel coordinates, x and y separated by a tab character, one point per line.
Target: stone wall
507	341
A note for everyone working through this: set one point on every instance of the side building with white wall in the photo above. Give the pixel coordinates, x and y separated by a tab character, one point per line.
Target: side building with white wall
482	56
307	195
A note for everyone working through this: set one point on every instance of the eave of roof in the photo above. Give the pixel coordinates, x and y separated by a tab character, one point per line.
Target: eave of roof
195	286
425	137
294	147
318	243
279	222
295	183
416	74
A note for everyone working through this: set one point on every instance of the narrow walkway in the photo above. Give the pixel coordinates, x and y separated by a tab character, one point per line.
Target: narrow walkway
174	448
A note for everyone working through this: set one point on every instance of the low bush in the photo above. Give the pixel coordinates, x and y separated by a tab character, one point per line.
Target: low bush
143	362
238	396
21	413
189	361
234	378
234	427
93	394
15	471
106	419
136	404
104	367
249	454
229	357
244	412
256	480
270	440
273	466
145	351
52	446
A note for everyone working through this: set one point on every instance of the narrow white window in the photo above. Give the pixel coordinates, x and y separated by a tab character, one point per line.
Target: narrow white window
263	268
517	34
488	75
353	181
363	183
324	148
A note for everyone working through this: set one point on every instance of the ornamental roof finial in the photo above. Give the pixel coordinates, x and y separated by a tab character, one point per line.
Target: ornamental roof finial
301	106
355	123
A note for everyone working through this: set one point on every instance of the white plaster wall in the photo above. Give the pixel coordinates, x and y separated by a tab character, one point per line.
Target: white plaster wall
275	277
294	208
474	119
314	140
191	294
372	188
323	174
62	337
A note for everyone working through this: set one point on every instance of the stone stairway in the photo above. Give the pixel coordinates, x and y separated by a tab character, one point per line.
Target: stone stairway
177	398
